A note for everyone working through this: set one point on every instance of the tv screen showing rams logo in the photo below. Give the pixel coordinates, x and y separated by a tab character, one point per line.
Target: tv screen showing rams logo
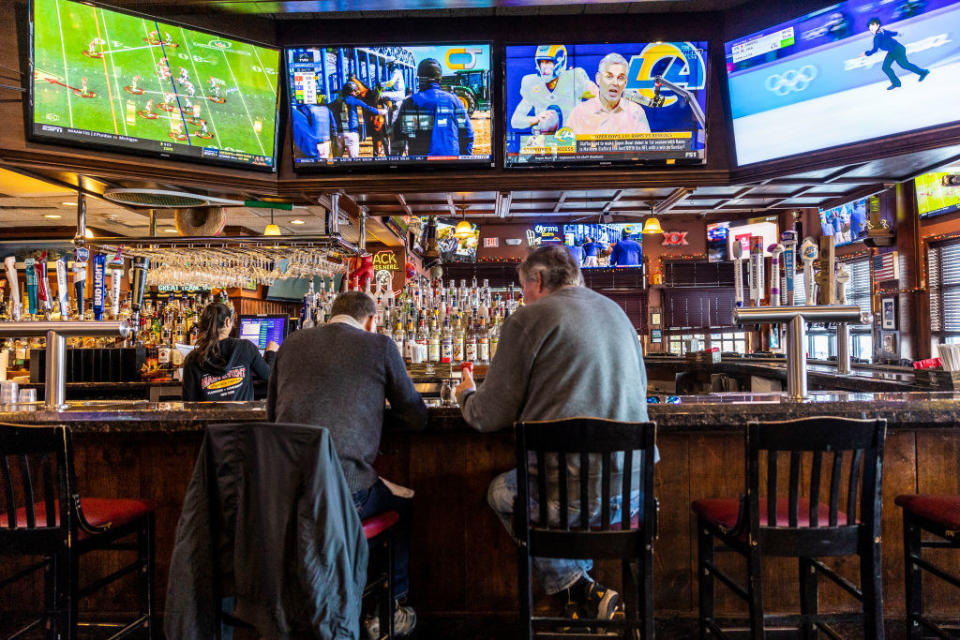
631	102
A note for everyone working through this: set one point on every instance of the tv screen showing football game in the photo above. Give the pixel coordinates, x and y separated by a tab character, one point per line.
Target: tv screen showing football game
631	103
934	199
853	71
135	84
390	105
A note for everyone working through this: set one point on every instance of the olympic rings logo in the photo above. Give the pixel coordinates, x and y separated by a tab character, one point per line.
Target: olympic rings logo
791	80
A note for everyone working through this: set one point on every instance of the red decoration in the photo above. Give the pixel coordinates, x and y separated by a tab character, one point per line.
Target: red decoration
674	238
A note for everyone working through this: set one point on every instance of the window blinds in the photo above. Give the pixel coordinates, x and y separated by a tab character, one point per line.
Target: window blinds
943	278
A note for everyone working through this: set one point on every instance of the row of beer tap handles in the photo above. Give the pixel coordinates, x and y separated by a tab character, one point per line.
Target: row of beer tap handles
42	301
787	247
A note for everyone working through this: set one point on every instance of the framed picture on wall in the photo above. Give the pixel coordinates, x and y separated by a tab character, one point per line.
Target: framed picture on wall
888	314
656	336
774	340
655	317
889	345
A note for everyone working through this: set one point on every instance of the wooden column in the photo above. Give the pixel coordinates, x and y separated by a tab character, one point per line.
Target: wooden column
914	320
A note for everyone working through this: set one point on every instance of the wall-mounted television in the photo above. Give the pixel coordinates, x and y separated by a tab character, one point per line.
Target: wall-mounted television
846	223
717	234
593	104
934	199
133	84
741	231
390	105
599	244
853	71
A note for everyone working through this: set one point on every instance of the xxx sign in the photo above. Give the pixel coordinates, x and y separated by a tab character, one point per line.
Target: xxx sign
674	238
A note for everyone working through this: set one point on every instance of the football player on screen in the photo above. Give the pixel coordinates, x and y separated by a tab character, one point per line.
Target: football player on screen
552	92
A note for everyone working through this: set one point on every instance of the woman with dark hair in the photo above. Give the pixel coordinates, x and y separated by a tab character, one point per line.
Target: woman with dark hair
221	367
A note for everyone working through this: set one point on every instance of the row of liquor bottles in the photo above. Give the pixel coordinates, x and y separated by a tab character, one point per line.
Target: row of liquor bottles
428	320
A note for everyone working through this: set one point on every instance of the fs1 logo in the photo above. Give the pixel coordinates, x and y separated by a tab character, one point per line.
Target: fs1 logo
684	67
461	58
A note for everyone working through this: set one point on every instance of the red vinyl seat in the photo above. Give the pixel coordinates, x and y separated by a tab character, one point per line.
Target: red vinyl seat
724	512
375	525
943	510
928	522
99	512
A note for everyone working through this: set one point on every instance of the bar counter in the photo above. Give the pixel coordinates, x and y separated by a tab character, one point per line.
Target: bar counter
462	562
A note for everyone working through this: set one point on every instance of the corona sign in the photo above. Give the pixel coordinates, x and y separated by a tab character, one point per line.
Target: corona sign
685	68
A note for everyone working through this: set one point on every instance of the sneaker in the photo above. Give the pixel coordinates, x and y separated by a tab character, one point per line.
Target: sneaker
404	622
893	86
601	602
924	74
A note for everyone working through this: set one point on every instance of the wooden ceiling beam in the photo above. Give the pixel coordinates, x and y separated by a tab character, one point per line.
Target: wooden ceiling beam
402	200
560	201
613	200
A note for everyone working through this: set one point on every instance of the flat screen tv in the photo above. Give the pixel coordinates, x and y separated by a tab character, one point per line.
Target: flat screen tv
717	234
934	199
846	223
853	71
598	241
595	104
742	231
390	105
133	84
262	330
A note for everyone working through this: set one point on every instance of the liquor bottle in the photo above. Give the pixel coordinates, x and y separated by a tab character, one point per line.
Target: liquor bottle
494	336
409	341
422	336
446	342
470	347
483	343
398	336
433	344
458	340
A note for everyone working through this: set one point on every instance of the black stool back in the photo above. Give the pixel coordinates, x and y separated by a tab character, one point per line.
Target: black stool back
603	449
800	522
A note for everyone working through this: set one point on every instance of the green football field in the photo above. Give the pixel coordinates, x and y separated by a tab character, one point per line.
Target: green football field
933	196
234	84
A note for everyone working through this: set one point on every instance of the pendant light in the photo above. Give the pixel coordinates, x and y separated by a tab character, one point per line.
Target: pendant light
463	229
271	229
652	226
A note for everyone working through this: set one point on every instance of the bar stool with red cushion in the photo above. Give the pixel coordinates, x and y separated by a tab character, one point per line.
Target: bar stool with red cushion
769	524
43	516
379	530
940	516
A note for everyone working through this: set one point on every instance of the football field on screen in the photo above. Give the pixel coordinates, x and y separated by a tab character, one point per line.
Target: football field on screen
99	70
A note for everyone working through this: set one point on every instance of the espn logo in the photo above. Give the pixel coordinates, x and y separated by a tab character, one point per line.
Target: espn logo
950	181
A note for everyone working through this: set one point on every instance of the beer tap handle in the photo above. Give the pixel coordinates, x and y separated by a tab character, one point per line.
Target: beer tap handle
10	263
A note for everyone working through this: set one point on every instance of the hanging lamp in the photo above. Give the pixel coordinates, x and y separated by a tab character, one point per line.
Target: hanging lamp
271	229
652	226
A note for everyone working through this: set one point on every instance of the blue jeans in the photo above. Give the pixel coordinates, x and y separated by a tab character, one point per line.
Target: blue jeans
556	574
377	499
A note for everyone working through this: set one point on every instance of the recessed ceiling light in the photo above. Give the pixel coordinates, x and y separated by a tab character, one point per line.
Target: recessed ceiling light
169	230
298	221
52	216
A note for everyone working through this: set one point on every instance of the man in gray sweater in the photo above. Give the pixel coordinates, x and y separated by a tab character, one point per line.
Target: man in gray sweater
338	376
568	352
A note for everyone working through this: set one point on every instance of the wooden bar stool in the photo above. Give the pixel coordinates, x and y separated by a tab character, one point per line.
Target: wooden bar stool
44	516
597	446
940	516
768	524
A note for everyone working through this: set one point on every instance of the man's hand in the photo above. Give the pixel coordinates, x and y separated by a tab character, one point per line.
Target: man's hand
383	112
272	346
466	384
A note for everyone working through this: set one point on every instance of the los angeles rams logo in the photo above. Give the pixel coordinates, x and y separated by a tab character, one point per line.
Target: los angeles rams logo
686	68
565	136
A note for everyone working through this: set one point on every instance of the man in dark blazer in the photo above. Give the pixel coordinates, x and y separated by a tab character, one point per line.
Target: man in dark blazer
338	376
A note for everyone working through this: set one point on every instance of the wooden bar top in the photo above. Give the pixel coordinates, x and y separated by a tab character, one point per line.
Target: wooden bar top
712	412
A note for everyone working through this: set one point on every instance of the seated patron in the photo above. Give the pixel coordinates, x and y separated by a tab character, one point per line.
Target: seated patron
220	367
339	376
568	352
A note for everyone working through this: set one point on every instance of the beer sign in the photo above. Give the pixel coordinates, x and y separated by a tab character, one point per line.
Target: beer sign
674	238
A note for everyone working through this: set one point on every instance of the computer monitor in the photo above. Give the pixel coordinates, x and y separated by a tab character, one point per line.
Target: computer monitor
263	329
